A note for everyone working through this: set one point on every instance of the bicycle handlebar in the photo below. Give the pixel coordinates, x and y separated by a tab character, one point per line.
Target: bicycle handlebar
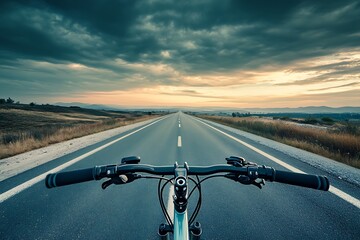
70	177
304	180
110	171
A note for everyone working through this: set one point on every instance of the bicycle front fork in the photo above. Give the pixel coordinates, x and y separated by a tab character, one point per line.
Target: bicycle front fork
195	231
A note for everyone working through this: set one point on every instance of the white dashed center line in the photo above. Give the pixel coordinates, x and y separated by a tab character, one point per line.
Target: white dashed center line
179	141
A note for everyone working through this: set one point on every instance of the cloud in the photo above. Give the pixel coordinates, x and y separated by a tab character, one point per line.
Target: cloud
337	87
191	93
165	54
245	33
336	99
332	68
82	46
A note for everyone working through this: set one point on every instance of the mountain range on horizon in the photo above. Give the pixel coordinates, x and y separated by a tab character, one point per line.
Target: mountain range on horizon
307	109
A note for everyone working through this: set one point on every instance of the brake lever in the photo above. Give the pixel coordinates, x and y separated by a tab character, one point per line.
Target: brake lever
258	182
121	179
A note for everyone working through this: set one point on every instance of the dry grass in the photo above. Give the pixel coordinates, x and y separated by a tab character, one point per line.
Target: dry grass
341	146
22	130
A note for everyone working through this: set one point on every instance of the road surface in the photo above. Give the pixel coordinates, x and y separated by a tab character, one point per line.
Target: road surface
229	210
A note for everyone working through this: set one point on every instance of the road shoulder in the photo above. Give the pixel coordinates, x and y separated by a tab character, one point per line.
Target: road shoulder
340	170
12	166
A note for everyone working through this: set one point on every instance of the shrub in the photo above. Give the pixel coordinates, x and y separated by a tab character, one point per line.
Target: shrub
285	118
310	121
328	120
9	101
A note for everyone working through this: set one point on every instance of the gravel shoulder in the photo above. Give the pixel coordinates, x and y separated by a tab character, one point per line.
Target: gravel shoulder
17	164
340	170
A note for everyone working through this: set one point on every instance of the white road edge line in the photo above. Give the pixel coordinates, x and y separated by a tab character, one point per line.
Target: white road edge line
8	194
348	198
179	141
170	204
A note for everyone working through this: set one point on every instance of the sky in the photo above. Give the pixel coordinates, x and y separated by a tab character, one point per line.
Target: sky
165	53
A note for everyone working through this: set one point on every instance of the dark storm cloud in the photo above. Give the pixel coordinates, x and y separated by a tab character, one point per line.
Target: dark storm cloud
190	37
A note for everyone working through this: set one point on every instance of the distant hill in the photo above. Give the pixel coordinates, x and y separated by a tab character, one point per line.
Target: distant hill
115	107
310	109
89	106
322	109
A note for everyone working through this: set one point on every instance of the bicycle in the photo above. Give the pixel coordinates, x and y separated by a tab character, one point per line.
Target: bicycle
236	169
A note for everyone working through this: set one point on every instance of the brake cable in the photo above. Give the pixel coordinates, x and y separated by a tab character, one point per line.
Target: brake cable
161	200
199	202
202	180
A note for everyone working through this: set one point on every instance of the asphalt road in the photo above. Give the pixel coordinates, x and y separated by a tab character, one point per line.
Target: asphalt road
229	210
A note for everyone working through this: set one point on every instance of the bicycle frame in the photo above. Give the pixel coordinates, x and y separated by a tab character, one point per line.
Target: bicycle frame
181	225
180	200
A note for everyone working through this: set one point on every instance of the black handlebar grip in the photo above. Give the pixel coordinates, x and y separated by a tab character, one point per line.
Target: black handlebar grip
71	177
304	180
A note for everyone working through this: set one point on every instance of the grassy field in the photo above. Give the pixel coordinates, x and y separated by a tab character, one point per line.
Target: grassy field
24	127
339	142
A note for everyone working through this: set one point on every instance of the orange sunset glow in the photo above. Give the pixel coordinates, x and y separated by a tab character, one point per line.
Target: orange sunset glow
268	87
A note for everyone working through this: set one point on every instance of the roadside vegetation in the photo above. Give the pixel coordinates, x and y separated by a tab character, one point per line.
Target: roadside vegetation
24	127
336	140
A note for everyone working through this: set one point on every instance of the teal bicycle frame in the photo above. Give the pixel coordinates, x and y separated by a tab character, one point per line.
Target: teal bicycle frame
180	199
181	227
